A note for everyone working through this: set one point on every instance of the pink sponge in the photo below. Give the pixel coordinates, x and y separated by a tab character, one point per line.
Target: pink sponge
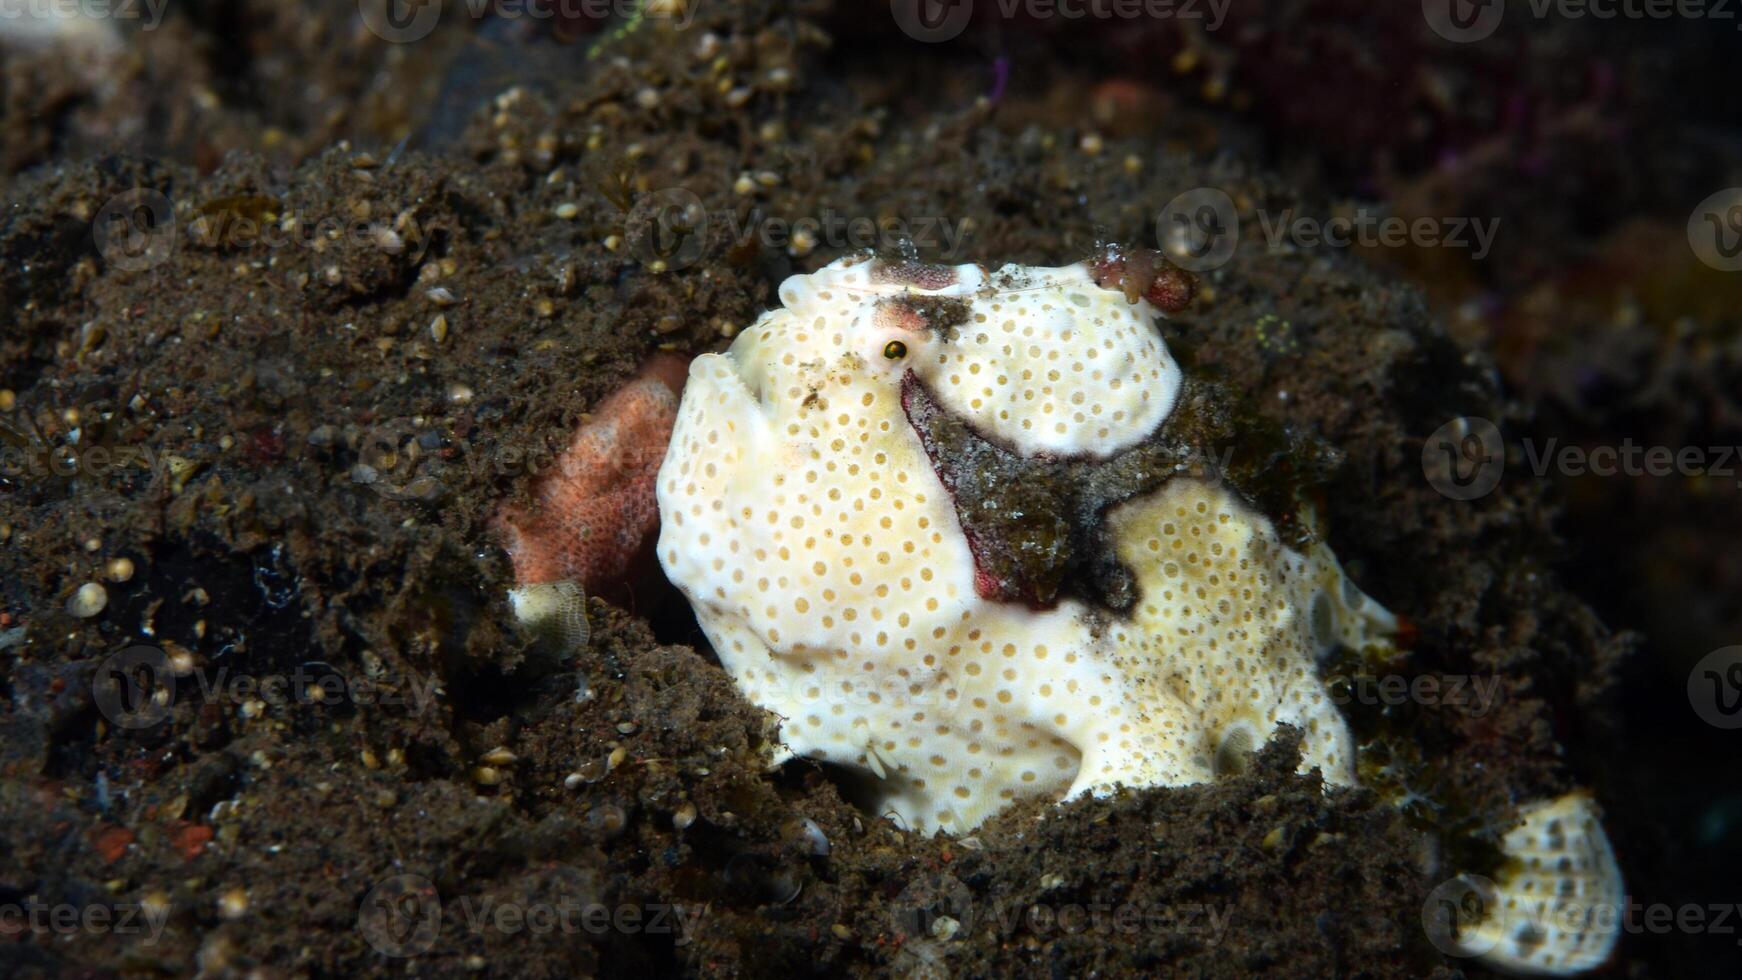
592	517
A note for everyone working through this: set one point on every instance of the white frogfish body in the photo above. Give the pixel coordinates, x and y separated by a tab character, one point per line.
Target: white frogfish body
827	561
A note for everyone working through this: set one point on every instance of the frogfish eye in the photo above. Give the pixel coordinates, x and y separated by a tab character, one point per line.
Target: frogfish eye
895	350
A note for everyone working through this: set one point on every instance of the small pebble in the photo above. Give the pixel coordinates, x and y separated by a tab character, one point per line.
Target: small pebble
233	904
88	601
816	842
567	211
608	820
181	663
